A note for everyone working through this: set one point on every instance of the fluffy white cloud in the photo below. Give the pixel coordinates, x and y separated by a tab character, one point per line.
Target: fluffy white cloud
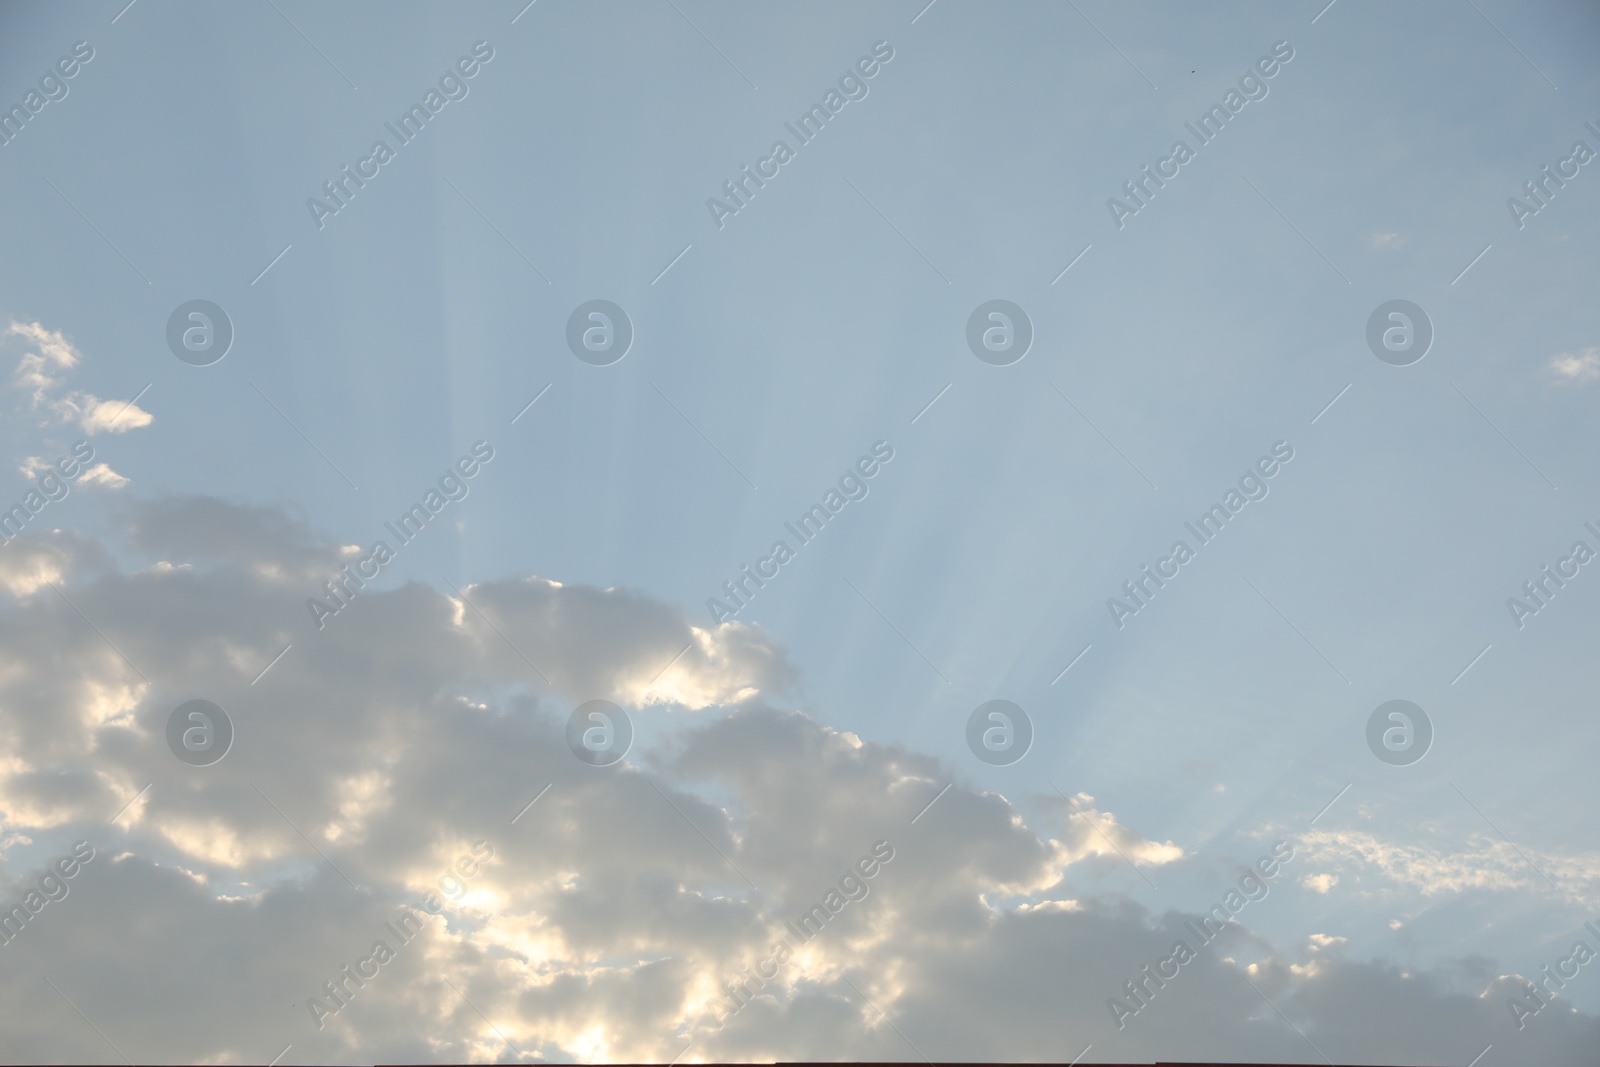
383	758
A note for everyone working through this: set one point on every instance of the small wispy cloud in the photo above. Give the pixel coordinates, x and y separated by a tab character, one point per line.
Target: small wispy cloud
48	361
102	474
1575	368
42	371
1391	241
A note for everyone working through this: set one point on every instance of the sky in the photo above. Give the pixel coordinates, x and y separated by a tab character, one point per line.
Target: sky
1346	321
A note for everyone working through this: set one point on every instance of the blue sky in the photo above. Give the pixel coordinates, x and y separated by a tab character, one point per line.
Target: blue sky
824	317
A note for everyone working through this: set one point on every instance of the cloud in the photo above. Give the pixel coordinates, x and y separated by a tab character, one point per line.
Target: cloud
1575	369
1389	241
1484	863
94	415
102	474
52	353
42	372
33	466
28	564
615	913
1098	834
650	654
